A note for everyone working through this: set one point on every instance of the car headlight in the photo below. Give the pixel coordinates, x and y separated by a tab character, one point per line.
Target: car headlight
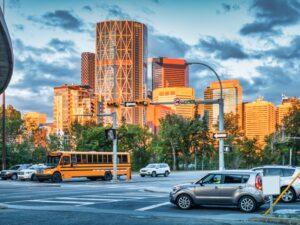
176	189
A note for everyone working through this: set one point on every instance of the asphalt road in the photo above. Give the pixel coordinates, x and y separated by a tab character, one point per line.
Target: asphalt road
80	201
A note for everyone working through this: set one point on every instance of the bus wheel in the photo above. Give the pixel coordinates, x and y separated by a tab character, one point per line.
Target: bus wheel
107	176
56	177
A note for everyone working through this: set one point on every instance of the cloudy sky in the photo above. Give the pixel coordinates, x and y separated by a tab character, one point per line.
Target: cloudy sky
255	41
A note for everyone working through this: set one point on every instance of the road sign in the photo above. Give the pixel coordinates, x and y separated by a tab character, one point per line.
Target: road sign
177	101
219	135
188	102
129	104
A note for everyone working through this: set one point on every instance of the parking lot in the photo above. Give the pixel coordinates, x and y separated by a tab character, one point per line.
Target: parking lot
141	201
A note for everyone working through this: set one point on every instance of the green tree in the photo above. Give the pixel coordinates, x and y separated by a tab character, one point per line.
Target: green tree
54	142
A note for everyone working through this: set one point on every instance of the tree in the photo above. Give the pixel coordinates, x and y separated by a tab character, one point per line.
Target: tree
54	142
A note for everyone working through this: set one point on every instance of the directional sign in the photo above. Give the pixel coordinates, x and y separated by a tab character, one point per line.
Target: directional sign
188	102
129	104
177	101
219	135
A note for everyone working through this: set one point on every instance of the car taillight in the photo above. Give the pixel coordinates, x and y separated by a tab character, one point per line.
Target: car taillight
258	183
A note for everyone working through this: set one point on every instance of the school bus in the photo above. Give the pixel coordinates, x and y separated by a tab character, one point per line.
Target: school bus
93	165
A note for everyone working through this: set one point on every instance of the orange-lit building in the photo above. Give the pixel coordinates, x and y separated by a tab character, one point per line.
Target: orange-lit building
32	120
232	95
259	119
167	72
154	114
285	107
169	94
70	101
130	40
88	69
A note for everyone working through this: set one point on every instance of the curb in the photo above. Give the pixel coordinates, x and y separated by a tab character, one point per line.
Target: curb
290	221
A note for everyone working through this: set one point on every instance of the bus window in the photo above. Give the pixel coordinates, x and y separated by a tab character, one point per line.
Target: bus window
73	158
104	158
119	159
78	158
66	160
100	160
95	160
84	159
90	158
109	159
124	159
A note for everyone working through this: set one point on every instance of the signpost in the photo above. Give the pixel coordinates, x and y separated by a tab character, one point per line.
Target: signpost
220	135
177	101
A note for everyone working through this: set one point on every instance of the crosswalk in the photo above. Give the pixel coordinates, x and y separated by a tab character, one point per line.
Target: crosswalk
90	199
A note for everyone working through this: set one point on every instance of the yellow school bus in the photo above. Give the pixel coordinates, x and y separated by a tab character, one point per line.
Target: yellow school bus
93	165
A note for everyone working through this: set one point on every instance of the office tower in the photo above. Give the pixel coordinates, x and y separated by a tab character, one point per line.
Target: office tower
167	72
285	108
129	38
169	94
70	102
32	120
154	114
259	119
88	69
232	95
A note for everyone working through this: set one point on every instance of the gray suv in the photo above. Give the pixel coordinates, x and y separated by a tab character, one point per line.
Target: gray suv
240	188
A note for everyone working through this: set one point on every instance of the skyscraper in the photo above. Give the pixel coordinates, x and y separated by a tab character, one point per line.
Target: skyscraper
232	95
259	119
88	69
154	114
169	94
130	40
32	120
70	101
167	72
285	108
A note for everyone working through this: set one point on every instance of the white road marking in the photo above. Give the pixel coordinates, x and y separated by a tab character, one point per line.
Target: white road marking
153	206
61	202
88	199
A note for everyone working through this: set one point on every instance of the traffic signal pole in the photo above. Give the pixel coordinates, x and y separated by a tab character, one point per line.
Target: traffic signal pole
114	115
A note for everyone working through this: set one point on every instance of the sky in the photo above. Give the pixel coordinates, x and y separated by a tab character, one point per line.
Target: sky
255	41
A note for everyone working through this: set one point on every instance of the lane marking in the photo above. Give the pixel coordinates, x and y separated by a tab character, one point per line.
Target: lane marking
89	199
153	206
61	202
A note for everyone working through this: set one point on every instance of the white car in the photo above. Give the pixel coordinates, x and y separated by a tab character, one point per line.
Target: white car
155	169
29	173
287	174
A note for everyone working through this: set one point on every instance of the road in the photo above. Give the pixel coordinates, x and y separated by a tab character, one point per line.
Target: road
143	201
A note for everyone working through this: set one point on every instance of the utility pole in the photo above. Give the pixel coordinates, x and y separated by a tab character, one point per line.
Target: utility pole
114	114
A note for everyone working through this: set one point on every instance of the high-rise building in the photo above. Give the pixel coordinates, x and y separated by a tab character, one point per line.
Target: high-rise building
71	101
88	69
167	72
169	94
259	119
129	38
232	95
285	108
32	120
154	114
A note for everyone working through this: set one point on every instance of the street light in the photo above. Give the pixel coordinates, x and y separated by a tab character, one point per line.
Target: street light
221	114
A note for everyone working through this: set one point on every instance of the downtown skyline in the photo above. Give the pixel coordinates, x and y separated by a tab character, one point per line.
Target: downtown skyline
264	60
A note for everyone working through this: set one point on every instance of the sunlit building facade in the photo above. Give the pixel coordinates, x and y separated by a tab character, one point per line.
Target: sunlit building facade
154	114
232	95
88	69
285	108
168	72
169	94
259	119
32	120
129	38
70	102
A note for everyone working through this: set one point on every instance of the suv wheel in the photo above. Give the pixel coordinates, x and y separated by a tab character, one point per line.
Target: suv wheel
247	204
153	174
33	177
184	201
166	173
14	176
142	175
289	196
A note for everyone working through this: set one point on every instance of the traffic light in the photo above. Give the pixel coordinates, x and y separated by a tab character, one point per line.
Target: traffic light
142	102
93	107
110	134
112	104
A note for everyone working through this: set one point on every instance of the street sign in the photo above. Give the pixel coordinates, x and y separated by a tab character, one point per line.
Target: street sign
219	135
189	102
177	101
129	104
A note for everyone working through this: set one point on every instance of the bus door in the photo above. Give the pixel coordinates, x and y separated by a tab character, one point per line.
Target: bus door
66	167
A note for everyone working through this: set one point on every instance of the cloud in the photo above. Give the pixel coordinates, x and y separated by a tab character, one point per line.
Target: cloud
63	19
19	27
270	16
226	7
87	8
22	49
286	52
115	12
222	49
62	46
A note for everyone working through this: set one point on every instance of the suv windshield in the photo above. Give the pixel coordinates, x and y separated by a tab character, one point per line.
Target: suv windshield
151	166
53	160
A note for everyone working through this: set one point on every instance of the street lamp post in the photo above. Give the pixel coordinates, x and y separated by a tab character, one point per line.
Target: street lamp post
221	114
